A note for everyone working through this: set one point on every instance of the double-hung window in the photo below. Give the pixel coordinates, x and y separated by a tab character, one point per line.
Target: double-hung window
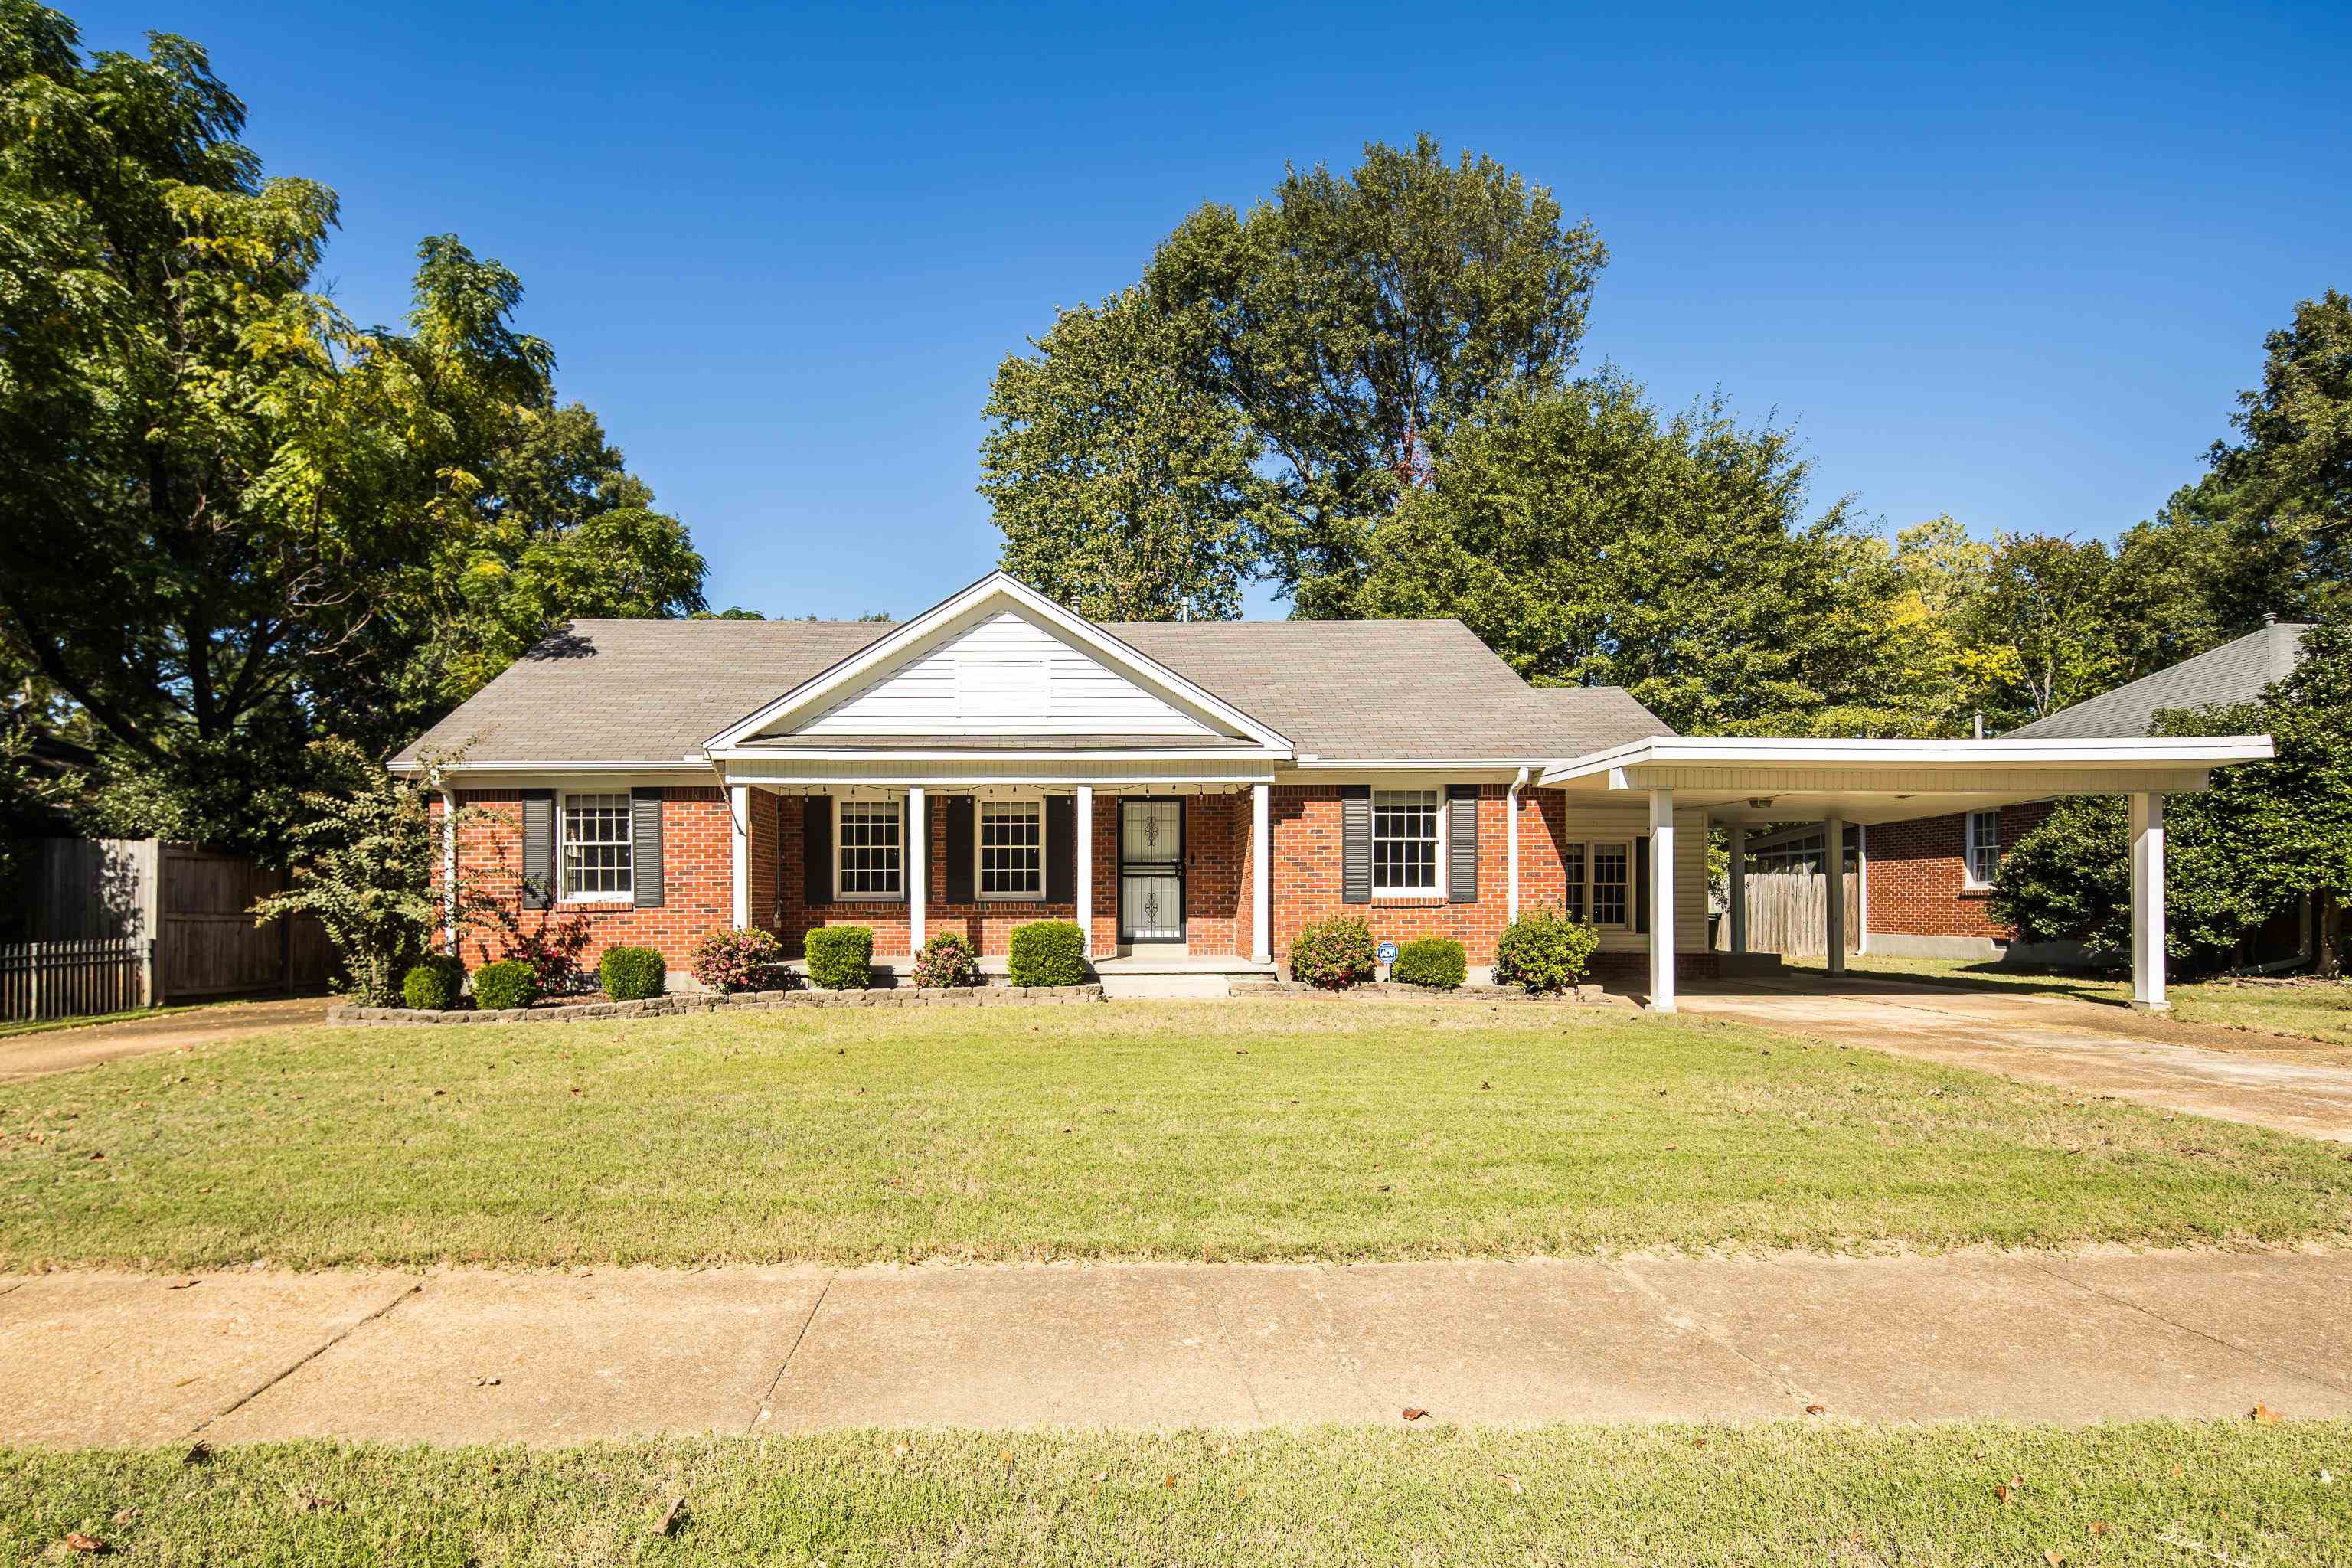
1983	848
1611	887
1012	849
1405	841
598	847
869	847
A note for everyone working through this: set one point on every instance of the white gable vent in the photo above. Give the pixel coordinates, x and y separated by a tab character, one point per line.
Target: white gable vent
1002	690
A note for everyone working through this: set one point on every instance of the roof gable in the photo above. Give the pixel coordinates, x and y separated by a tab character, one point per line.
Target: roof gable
996	658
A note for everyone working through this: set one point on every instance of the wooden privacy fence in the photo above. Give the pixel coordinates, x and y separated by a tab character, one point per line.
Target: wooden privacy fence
72	979
1788	912
183	912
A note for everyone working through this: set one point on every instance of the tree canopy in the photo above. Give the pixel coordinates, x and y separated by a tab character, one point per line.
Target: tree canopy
236	517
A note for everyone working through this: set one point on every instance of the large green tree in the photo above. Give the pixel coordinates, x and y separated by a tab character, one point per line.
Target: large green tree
231	517
1344	325
1590	541
1124	488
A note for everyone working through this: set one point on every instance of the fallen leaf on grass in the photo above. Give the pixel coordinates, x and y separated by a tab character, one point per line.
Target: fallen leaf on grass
76	1541
2263	1414
1172	1483
2001	1492
2053	1557
1512	1482
1414	1413
1817	1410
2098	1528
311	1503
1698	1442
198	1452
670	1518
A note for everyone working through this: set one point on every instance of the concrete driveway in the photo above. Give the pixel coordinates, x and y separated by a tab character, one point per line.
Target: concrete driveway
2294	1086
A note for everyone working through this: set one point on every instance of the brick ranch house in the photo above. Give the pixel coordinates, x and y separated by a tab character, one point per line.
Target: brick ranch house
1191	793
1926	882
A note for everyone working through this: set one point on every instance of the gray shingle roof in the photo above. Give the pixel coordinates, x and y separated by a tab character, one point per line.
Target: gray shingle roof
2235	672
613	690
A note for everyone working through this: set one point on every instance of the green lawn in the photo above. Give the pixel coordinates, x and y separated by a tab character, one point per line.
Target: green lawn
2165	1493
1209	1130
2312	1009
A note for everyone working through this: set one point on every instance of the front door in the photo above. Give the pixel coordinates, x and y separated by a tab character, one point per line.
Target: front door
1151	870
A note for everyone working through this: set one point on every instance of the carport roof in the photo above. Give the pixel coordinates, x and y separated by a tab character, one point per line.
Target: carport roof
1770	779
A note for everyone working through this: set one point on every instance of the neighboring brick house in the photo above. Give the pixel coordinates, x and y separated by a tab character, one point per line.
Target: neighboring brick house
1192	793
1926	881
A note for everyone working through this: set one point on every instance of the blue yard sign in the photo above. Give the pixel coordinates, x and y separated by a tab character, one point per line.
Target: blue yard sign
1386	952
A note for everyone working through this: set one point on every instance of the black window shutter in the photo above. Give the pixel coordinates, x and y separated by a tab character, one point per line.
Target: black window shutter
1642	886
538	848
1462	844
1061	849
1355	844
905	847
816	849
645	849
957	848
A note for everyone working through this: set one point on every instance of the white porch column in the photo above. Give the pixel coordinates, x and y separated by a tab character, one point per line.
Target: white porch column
1738	886
1086	831
919	871
2148	903
448	875
1661	900
1833	867
1511	845
1262	873
739	833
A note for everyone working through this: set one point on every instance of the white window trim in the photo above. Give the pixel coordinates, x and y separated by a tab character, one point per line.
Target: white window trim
839	895
1035	803
562	840
1969	880
1632	883
1443	886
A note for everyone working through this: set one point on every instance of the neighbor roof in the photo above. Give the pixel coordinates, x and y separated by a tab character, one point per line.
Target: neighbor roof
2235	672
648	691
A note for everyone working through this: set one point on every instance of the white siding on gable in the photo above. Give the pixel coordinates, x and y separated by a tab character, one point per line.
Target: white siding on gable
1003	671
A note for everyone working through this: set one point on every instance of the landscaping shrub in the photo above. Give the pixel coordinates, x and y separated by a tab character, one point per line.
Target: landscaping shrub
1544	952
1333	954
947	960
632	973
506	984
1048	952
1437	961
434	984
747	960
841	958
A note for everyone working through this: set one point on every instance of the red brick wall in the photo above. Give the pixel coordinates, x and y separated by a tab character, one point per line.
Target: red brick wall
1917	875
698	876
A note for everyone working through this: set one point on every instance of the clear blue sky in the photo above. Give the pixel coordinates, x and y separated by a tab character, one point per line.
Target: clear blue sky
2010	265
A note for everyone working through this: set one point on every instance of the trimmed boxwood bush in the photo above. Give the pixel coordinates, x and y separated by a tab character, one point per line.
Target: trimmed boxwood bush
1544	952
506	984
947	960
632	973
1437	961
433	984
841	958
1048	952
1333	954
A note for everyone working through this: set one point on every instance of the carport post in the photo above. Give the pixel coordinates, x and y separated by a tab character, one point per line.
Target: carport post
1661	900
1833	867
2147	902
1739	887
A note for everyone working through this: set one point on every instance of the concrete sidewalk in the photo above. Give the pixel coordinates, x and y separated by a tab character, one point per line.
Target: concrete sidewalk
471	1356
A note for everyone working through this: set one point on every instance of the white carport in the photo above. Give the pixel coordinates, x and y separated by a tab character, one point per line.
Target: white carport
1742	781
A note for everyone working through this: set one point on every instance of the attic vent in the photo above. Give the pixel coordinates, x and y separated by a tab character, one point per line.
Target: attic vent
1008	690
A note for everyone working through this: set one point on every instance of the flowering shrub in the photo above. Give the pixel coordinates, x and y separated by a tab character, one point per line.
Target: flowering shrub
748	960
947	960
1333	954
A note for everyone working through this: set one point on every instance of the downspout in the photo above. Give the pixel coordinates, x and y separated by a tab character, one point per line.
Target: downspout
1511	839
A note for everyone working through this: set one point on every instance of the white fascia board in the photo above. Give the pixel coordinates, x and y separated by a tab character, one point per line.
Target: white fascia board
684	764
1765	751
979	754
1411	764
996	585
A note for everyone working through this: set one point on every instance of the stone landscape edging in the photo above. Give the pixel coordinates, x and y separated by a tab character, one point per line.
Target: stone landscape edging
682	1003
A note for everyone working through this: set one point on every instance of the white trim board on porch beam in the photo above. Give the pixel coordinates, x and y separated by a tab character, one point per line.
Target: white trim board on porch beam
998	606
1769	778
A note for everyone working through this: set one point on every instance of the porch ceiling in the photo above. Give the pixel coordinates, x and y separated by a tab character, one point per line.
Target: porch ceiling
1748	779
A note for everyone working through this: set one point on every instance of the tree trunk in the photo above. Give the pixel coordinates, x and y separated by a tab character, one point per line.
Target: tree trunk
2328	947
